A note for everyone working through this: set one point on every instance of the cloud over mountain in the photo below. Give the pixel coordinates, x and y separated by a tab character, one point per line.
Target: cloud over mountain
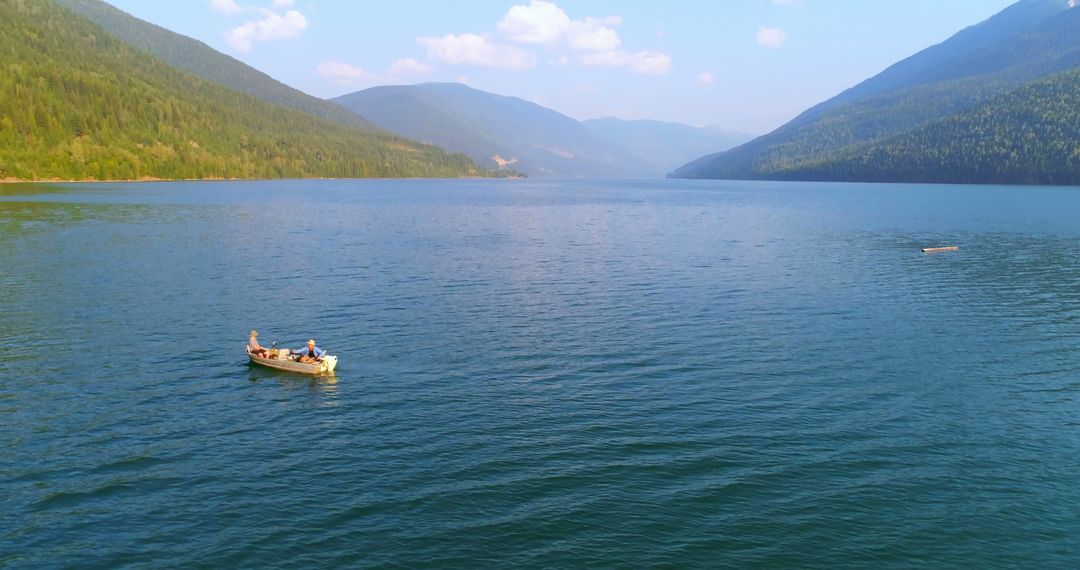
277	22
588	41
543	22
473	49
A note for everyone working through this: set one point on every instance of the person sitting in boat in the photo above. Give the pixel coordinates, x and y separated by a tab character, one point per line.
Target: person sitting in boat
253	345
310	353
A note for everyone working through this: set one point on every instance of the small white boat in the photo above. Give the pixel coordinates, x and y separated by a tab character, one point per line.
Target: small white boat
284	361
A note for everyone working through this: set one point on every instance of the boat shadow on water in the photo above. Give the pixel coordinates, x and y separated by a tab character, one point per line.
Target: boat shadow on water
326	383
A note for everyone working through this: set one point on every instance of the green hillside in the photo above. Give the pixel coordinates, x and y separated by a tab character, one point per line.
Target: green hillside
955	58
78	103
1028	41
1028	136
195	57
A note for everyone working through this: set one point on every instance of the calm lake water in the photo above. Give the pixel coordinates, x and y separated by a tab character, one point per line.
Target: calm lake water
540	374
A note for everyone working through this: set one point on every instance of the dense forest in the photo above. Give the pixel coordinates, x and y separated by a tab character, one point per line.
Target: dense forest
916	100
1028	136
195	57
77	103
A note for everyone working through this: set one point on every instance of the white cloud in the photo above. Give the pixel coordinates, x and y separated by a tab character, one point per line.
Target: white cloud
771	37
705	78
343	73
645	62
592	35
650	63
408	66
272	27
346	74
471	49
226	6
606	59
231	7
274	23
543	22
538	23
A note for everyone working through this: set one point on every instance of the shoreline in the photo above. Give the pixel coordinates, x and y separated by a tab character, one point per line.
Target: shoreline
149	179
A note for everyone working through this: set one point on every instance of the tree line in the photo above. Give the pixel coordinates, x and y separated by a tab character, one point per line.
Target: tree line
77	103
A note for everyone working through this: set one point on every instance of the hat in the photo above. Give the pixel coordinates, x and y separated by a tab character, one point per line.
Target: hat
253	333
311	341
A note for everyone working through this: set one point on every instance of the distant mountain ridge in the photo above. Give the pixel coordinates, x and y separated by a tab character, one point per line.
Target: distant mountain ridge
664	146
1028	41
492	128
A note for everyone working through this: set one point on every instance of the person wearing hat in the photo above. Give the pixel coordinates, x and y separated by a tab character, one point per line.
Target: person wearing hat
310	353
253	345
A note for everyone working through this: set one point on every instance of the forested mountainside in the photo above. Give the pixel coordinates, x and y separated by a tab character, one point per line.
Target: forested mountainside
78	103
1030	135
193	56
1027	42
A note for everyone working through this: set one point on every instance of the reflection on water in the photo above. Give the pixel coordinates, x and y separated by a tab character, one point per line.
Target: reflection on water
323	389
17	218
8	190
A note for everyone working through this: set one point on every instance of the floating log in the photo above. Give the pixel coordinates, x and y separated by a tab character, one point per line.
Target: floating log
940	249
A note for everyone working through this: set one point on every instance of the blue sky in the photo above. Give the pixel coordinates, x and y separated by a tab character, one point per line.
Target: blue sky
747	65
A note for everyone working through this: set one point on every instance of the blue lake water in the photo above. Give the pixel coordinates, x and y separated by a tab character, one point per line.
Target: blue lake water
540	374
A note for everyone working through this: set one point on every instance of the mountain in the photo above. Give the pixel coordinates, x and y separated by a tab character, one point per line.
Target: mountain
81	104
494	130
946	60
1028	41
1030	135
664	146
203	61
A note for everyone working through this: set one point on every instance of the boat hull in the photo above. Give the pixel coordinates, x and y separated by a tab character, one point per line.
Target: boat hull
324	366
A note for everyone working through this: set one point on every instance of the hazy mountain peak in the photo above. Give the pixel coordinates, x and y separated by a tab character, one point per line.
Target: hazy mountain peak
663	144
488	128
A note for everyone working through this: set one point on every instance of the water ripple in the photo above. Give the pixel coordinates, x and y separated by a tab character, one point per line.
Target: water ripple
547	374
